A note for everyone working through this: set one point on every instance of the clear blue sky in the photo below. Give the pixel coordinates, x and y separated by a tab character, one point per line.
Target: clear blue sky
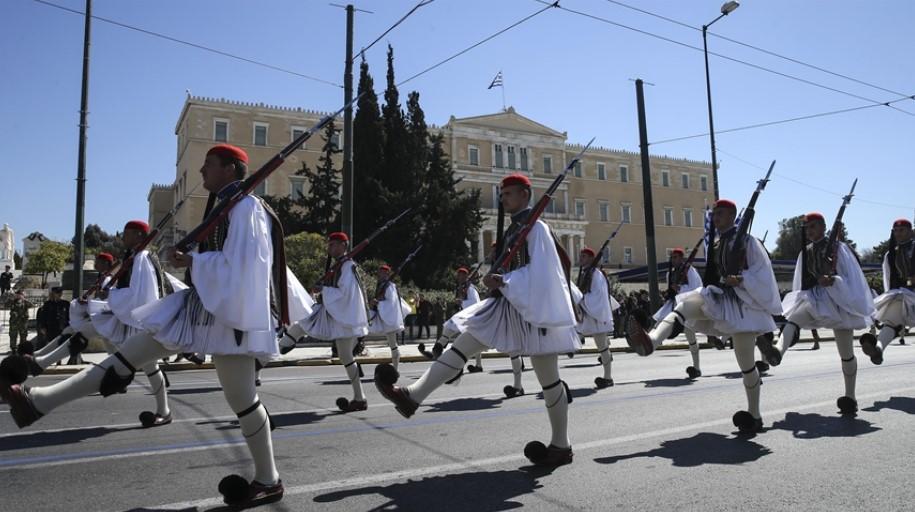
566	71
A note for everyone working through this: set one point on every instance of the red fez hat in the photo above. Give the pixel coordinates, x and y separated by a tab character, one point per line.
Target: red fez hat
726	203
678	250
385	267
230	151
516	179
902	222
812	216
462	270
137	224
105	256
589	251
338	236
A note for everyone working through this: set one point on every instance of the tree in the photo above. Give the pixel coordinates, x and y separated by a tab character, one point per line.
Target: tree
875	254
306	254
50	257
288	211
788	243
96	240
368	152
322	204
17	259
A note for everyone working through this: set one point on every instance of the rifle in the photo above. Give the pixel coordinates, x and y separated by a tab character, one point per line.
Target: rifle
678	273
148	240
598	261
383	286
502	262
334	269
738	255
833	246
221	210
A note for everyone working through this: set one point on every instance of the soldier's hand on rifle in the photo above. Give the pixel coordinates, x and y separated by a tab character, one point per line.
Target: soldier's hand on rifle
179	259
733	281
493	281
826	280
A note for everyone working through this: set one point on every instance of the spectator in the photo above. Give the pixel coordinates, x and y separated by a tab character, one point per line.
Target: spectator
423	316
6	281
19	319
53	317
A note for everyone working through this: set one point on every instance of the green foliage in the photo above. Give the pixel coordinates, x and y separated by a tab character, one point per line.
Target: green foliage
17	259
305	255
96	240
875	254
50	257
322	204
788	243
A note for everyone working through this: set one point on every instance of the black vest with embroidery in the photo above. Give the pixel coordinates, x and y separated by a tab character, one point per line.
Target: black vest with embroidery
902	265
816	263
723	254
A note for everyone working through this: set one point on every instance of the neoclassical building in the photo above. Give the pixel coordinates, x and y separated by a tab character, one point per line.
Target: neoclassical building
602	192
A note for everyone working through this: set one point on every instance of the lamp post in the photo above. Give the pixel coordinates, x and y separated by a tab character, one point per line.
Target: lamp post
726	9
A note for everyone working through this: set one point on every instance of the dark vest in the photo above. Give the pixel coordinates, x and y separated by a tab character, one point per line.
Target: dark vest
902	265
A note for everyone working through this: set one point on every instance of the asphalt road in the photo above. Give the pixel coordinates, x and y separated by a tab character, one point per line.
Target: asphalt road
655	441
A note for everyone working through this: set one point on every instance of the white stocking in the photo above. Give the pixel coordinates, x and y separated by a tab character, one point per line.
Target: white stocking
53	356
345	353
139	350
395	350
236	375
446	367
745	351
845	343
554	396
693	346
517	365
606	357
157	385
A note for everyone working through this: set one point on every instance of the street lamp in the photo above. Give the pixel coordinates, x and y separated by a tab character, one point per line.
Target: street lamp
726	9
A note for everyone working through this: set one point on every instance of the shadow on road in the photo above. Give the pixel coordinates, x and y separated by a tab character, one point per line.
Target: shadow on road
897	403
192	391
36	439
480	491
667	383
815	426
465	404
703	448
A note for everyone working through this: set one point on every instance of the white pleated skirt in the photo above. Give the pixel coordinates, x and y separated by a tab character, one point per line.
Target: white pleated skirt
906	296
824	311
726	314
321	325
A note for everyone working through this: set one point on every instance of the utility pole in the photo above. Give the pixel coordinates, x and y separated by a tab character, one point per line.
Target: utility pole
79	244
347	206
653	290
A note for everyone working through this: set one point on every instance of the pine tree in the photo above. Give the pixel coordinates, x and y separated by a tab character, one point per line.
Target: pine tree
368	153
322	204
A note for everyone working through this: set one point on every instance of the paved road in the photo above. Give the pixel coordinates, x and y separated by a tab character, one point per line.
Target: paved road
655	441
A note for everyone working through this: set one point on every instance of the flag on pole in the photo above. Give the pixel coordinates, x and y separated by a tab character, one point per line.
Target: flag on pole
496	82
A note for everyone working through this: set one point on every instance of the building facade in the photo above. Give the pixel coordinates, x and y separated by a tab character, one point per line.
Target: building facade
602	192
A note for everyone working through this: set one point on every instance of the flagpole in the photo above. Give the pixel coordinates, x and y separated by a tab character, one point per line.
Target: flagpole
503	92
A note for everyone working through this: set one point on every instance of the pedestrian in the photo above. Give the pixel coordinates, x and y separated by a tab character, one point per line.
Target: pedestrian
19	319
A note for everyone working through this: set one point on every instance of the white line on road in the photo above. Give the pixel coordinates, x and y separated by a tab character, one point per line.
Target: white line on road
403	474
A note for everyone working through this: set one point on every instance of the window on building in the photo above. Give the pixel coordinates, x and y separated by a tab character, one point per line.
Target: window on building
296	188
260	134
297	132
548	164
577	169
605	256
703	183
665	178
473	153
221	130
511	157
668	216
550	206
496	190
624	174
627	255
669	251
523	152
335	139
261	190
604	210
498	156
626	214
687	217
684	180
579	208
601	171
